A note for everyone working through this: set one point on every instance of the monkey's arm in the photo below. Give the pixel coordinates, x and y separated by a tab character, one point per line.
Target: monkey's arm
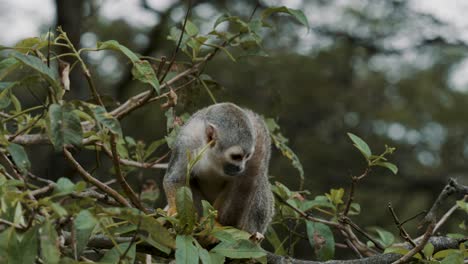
174	179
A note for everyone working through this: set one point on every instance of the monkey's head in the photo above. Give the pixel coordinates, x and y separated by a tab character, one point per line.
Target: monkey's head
232	138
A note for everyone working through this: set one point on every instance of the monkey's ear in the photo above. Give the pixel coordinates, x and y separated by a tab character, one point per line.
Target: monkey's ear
210	133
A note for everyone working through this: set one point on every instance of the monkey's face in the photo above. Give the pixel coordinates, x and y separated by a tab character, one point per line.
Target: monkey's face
235	159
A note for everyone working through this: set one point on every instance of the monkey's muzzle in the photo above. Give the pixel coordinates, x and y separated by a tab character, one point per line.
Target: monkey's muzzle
232	170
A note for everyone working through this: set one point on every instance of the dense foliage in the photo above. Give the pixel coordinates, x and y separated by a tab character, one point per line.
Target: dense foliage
72	220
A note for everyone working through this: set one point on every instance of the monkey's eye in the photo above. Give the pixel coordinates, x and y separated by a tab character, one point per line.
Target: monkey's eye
236	157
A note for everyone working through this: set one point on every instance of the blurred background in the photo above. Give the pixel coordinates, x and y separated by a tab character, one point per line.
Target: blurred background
391	72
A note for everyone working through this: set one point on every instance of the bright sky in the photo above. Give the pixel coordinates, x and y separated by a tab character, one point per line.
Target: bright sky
24	18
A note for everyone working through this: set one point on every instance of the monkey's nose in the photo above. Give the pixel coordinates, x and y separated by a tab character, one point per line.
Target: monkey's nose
232	170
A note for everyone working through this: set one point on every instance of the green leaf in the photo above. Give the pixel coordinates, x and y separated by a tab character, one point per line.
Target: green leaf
106	119
239	249
321	239
455	257
29	44
64	186
20	158
36	64
5	94
280	143
114	45
230	234
7	66
385	237
360	145
50	252
392	167
428	250
143	72
336	196
84	226
114	255
186	251
396	250
463	205
159	236
275	241
64	126
23	250
186	212
153	147
296	13
6	85
191	29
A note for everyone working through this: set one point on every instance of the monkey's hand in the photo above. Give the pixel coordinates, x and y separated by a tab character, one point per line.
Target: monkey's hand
171	210
207	239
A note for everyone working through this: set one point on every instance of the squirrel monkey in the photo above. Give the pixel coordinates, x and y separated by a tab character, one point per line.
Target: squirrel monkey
232	173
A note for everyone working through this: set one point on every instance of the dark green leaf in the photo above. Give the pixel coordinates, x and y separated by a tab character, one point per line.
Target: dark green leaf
5	94
186	251
297	14
64	126
239	249
114	45
24	250
84	226
385	237
8	65
186	211
114	255
360	145
143	72
280	143
36	64
64	186
20	158
159	236
321	239
50	252
392	167
106	119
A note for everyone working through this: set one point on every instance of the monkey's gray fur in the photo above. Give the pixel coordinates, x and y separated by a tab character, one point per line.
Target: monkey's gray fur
233	171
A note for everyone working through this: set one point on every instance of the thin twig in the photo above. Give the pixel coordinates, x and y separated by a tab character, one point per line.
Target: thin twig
174	54
89	178
121	179
419	247
403	233
362	232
